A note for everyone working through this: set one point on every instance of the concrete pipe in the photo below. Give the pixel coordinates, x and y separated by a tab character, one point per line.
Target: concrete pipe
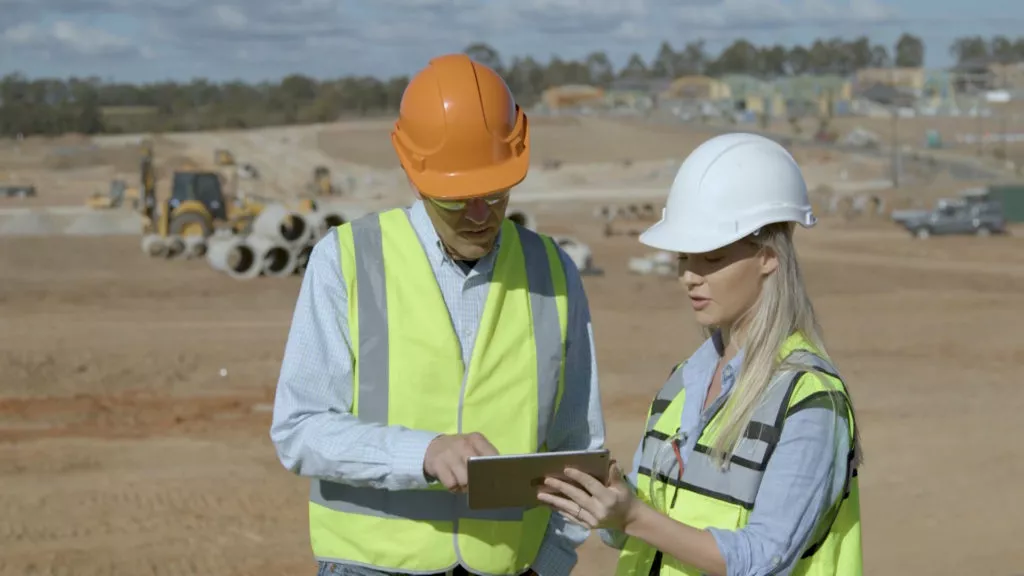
195	247
522	218
302	259
233	256
175	247
578	252
154	246
275	258
329	216
326	221
279	224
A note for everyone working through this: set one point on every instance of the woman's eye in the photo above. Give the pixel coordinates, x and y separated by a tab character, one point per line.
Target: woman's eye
713	260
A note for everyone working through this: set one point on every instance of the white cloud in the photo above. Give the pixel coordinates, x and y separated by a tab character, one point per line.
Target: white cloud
67	37
89	41
230	17
336	37
769	14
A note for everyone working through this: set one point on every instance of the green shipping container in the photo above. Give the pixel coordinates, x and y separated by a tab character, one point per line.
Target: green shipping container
1011	196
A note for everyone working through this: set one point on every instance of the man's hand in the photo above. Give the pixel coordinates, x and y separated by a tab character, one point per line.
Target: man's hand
447	455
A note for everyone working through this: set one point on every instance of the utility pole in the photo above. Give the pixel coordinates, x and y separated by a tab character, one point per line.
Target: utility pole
895	107
896	164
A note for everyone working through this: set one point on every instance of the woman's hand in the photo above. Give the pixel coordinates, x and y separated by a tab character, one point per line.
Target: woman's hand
596	505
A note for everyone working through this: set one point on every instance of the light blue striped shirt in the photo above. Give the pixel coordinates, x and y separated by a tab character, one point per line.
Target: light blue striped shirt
317	436
804	477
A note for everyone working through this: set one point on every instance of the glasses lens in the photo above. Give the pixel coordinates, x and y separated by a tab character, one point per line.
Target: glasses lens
455	205
451	205
496	198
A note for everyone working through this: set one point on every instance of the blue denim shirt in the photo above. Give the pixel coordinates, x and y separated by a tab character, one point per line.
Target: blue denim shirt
804	477
317	436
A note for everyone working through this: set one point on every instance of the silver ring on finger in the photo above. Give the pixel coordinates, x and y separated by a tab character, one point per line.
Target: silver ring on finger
579	510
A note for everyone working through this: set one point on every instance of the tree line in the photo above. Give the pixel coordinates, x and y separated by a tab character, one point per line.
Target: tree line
91	106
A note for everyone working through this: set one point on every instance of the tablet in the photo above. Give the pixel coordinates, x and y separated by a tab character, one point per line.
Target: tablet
512	480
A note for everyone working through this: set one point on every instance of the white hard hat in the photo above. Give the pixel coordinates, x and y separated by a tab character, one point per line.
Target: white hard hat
727	189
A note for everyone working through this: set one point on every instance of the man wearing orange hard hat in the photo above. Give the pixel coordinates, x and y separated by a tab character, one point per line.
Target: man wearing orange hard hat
426	335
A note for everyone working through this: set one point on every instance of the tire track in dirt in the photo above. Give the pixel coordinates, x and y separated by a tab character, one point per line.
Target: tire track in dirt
128	415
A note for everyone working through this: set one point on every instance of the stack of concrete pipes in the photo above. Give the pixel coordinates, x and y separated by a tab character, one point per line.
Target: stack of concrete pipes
281	241
279	244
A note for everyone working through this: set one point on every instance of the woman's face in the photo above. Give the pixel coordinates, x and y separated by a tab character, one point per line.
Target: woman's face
724	284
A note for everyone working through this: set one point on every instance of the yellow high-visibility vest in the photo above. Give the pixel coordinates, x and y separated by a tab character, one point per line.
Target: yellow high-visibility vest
408	371
706	496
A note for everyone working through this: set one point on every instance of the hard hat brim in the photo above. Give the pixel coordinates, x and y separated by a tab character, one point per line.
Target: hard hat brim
661	236
470	184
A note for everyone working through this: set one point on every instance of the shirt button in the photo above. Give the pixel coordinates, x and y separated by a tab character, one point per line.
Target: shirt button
776	561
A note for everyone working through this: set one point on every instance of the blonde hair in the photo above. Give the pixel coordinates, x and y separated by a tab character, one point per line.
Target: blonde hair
782	309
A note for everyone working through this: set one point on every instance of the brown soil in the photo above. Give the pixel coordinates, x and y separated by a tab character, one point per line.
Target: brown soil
124	452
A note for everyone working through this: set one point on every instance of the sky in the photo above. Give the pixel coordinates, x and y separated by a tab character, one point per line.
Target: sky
252	40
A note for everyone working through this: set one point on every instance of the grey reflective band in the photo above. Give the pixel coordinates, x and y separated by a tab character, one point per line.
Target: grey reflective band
665	396
740	484
371	290
420	505
373	382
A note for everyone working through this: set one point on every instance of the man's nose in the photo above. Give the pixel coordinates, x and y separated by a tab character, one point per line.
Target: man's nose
477	211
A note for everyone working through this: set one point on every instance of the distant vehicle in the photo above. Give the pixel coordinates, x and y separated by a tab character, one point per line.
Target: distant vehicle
17	191
980	218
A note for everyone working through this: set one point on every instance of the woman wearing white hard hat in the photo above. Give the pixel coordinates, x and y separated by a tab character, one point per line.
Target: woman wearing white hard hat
748	465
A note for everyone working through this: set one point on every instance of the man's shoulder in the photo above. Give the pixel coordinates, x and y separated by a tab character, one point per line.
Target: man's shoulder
542	239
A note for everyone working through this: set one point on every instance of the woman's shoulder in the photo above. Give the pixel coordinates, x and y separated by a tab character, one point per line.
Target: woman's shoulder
818	389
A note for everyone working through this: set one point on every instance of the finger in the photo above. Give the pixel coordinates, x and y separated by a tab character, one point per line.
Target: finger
572	492
614	473
593	485
446	478
580	523
616	477
482	445
570	510
586	518
559	503
461	473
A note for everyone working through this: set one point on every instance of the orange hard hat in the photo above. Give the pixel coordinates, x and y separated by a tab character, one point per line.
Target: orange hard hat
460	133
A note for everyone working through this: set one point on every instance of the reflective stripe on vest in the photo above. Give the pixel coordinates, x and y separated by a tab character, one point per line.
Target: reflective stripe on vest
414	530
711	497
702	473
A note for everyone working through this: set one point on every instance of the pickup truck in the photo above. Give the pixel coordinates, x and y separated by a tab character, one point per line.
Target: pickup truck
954	217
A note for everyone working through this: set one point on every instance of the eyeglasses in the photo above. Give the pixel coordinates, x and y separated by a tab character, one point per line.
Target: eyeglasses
456	205
667	458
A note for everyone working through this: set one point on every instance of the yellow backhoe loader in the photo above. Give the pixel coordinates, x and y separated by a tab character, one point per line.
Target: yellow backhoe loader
197	204
199	200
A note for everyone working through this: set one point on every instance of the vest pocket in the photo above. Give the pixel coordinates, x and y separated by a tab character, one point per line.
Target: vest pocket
705	511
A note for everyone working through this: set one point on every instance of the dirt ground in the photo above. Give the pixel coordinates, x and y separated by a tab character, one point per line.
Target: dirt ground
123	451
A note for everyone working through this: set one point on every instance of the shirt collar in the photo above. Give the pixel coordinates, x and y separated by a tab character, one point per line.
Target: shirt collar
436	253
701	365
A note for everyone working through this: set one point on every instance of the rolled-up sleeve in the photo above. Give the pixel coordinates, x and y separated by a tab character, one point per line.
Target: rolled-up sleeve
617	538
578	425
313	429
804	478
